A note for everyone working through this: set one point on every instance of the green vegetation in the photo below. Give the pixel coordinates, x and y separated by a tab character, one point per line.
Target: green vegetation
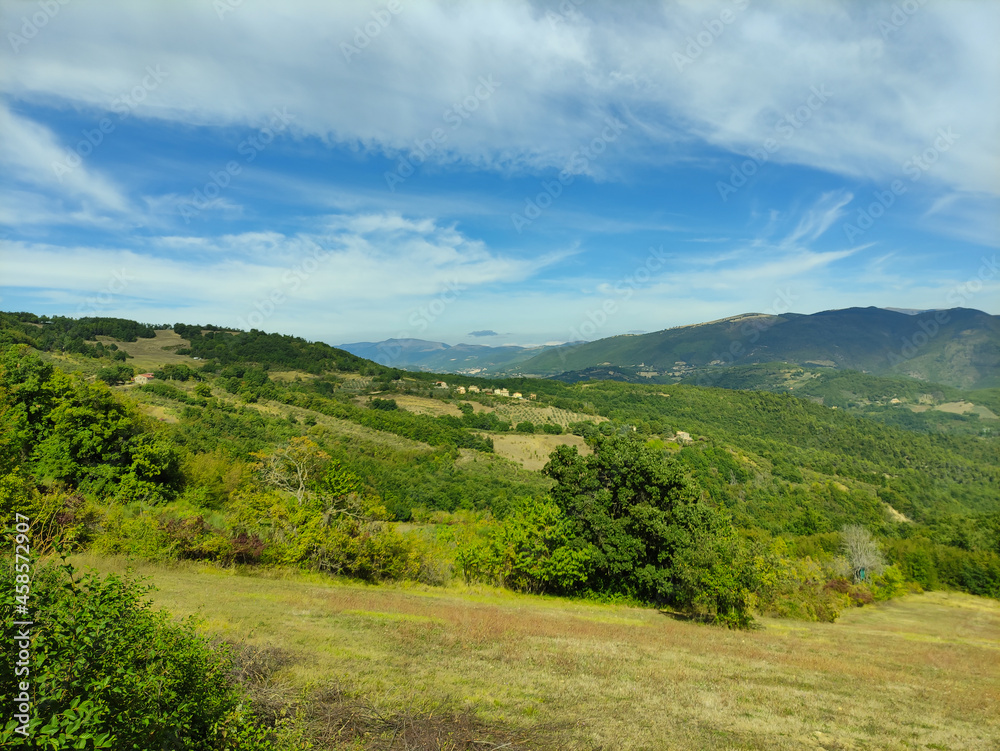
109	672
459	664
710	503
957	347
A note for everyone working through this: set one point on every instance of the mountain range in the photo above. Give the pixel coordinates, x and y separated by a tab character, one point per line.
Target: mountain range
438	357
957	347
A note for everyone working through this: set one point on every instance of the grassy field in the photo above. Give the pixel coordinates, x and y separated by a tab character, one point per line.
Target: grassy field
150	354
918	673
531	450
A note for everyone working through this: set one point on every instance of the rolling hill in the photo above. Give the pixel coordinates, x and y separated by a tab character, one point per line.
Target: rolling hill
957	347
438	357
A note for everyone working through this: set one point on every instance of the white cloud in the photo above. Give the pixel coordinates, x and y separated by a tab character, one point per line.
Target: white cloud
31	154
330	284
890	92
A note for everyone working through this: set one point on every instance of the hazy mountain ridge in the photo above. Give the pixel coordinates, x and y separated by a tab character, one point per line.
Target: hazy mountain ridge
958	347
438	357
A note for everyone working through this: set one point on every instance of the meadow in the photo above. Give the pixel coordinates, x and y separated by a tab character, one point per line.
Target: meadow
543	672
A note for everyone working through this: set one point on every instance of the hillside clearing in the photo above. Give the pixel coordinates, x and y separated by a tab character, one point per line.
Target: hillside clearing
150	354
923	672
532	451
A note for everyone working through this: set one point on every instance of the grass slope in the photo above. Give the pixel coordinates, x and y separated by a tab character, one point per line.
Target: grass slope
922	672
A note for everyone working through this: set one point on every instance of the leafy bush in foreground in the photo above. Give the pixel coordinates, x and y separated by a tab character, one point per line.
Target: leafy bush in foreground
109	672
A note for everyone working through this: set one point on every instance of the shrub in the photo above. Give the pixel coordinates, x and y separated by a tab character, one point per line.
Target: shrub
109	672
528	551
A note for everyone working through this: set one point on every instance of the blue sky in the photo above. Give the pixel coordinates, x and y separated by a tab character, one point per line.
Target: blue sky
543	170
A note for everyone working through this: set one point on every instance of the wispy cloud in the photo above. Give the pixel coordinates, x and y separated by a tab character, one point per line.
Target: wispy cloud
30	154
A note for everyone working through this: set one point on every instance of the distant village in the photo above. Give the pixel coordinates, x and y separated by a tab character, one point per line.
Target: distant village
476	390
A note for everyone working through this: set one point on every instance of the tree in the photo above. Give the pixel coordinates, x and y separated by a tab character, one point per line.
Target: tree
292	467
110	672
647	534
528	551
115	374
862	552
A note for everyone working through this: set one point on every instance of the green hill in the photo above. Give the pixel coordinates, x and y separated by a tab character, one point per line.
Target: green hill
957	347
192	444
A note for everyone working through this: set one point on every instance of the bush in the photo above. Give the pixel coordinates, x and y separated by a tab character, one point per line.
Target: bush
528	551
109	672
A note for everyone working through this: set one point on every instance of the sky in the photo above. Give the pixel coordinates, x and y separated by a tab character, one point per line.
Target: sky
495	172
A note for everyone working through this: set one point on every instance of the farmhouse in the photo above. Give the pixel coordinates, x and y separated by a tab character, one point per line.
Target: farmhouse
460	390
143	378
473	389
440	385
501	392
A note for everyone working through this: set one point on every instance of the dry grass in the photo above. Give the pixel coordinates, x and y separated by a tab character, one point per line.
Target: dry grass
531	450
923	672
150	354
962	408
421	405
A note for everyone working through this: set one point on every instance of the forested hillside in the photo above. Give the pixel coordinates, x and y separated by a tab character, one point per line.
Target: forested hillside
270	450
957	347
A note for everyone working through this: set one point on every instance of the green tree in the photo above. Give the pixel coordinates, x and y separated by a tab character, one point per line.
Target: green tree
528	551
648	535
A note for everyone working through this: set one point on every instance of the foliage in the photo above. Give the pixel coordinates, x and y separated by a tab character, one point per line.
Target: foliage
63	429
116	374
271	350
529	550
648	535
864	558
109	672
292	467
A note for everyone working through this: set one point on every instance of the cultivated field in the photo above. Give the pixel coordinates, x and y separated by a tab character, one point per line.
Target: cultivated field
421	405
532	451
919	673
520	411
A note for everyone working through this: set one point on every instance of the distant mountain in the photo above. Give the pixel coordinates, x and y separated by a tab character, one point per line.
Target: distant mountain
958	347
438	357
